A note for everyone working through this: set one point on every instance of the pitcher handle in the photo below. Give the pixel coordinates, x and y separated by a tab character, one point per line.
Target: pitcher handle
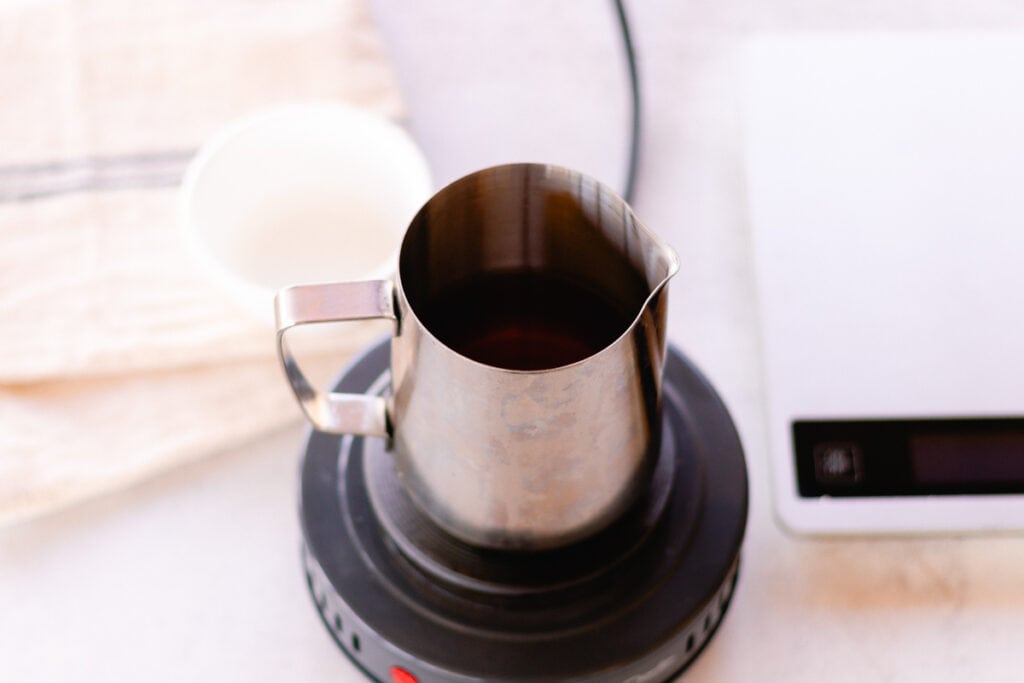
335	413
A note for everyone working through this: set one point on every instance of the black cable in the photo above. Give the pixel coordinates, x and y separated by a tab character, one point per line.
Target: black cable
634	84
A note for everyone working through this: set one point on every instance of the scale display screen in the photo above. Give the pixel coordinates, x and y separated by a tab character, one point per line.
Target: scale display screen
909	457
986	458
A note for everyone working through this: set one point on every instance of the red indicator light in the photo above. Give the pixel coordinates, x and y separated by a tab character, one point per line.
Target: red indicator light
400	675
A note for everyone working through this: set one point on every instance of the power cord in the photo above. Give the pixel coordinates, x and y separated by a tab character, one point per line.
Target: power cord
634	84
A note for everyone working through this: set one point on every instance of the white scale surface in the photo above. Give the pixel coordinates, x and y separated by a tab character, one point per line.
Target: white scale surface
886	195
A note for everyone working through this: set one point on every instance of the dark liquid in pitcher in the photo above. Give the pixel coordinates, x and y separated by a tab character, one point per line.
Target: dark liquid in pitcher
524	320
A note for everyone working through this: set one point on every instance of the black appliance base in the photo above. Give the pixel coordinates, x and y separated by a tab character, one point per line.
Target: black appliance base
634	604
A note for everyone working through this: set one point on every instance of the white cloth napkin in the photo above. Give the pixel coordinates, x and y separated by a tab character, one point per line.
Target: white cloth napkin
117	359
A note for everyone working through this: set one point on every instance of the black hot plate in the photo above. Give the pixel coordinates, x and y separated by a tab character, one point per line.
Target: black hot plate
634	604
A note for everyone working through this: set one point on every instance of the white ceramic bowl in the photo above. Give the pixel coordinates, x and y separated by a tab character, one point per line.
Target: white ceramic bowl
305	192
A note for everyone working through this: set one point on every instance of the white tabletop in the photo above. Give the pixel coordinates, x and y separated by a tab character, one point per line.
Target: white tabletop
196	575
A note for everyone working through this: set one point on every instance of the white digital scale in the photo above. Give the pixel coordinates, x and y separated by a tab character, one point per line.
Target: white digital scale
885	179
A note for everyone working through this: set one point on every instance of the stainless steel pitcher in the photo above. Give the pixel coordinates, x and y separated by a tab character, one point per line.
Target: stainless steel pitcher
505	458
